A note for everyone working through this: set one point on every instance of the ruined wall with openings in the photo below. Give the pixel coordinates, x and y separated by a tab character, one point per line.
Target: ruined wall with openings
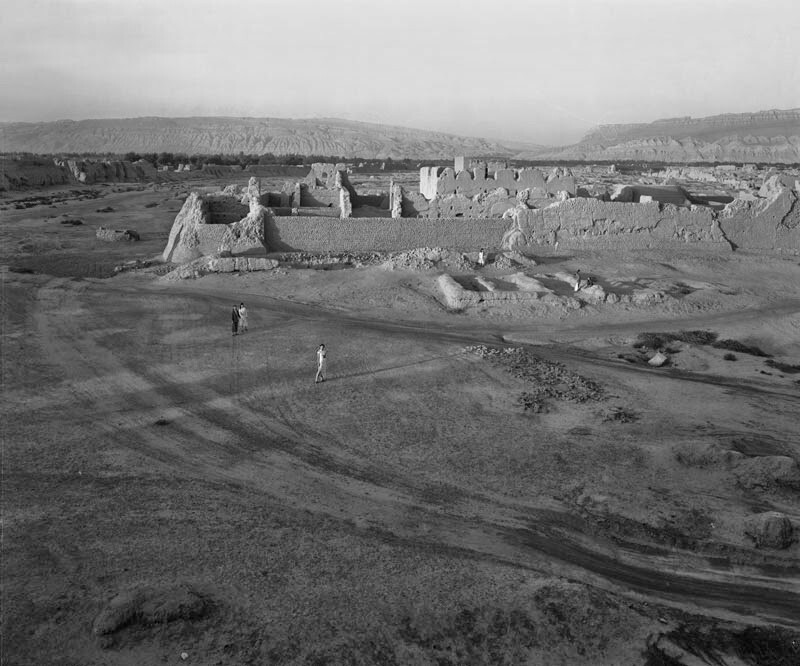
770	223
446	181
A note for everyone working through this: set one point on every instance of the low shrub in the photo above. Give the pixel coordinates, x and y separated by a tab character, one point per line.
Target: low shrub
661	340
735	345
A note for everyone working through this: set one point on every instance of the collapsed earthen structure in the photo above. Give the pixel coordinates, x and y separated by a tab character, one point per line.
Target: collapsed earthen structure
22	172
482	192
220	223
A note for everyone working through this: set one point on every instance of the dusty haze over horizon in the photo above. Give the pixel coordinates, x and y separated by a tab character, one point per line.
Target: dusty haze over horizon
530	71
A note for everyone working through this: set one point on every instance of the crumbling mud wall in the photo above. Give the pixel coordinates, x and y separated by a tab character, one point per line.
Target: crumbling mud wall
530	230
196	232
109	171
770	223
589	224
445	181
225	210
274	170
18	174
379	234
491	204
327	185
23	173
665	194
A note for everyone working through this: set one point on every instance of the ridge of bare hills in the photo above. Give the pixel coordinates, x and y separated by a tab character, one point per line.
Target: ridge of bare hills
280	136
764	136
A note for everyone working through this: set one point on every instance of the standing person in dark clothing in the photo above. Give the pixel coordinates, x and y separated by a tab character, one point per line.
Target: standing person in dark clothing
235	320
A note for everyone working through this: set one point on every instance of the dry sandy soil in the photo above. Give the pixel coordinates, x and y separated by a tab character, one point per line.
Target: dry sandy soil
175	494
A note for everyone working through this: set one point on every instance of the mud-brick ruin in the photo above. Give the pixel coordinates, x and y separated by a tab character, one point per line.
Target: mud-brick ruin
465	210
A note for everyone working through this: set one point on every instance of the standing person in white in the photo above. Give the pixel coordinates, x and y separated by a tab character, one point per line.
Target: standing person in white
242	317
322	356
482	258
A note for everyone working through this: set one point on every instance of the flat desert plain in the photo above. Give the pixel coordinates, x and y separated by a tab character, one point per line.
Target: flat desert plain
505	484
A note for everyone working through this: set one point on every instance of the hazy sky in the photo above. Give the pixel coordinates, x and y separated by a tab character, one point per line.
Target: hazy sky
534	70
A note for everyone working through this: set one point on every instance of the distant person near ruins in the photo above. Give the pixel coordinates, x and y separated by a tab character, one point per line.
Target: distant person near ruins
322	356
242	318
482	258
235	320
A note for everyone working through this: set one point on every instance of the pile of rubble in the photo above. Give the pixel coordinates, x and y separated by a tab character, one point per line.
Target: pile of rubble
549	380
312	260
205	265
115	235
426	259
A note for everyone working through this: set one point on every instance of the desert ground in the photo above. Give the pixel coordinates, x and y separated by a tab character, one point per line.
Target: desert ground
503	484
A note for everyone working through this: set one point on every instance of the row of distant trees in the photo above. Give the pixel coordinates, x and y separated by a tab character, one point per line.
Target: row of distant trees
242	159
360	164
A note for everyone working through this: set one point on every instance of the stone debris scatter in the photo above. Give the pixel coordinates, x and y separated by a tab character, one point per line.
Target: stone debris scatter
549	380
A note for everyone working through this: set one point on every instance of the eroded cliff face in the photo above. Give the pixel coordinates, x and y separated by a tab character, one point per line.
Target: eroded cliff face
765	137
735	148
280	136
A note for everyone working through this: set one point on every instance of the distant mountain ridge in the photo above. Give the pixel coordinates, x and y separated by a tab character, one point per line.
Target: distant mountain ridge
764	136
280	136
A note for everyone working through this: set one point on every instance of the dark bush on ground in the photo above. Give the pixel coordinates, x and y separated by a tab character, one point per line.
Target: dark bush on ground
661	340
735	345
783	367
696	337
653	340
657	341
729	357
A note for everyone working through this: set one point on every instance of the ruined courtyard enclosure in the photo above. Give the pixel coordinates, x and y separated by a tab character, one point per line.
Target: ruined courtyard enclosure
489	482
